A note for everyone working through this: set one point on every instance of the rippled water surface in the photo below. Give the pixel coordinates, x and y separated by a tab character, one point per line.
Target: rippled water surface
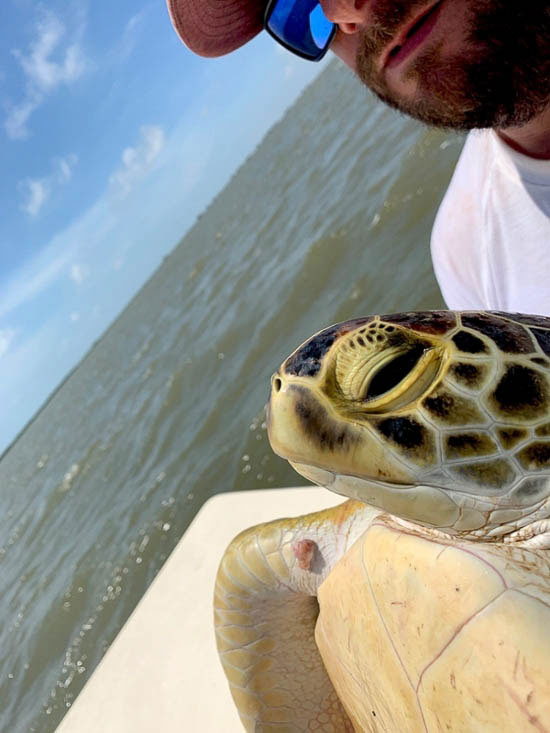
329	219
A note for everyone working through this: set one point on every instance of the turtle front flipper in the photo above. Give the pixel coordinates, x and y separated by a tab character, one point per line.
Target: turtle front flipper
265	611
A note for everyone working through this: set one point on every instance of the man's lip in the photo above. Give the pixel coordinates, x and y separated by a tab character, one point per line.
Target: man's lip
402	45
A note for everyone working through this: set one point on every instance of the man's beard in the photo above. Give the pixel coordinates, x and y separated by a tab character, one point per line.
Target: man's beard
501	78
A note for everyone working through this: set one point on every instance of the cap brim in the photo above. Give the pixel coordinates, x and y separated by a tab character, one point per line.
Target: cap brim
216	27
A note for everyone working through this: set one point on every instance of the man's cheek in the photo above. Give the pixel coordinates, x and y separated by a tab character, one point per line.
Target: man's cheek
345	47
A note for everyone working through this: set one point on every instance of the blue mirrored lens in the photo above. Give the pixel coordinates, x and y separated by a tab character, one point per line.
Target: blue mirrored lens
302	25
320	27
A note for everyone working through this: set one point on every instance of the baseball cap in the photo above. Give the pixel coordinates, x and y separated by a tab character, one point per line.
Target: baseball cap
216	27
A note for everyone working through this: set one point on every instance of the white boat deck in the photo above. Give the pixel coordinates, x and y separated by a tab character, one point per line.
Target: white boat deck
162	671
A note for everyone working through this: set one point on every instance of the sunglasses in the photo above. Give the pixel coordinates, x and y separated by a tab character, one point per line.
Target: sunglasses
300	26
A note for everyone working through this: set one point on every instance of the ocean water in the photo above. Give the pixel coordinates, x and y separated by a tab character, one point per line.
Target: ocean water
329	219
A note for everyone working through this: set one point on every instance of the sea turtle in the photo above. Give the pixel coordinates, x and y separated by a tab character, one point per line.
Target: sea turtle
428	594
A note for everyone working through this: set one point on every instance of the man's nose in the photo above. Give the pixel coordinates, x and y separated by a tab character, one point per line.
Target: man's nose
349	15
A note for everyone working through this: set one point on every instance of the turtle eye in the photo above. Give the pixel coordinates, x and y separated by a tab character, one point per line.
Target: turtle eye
385	375
391	374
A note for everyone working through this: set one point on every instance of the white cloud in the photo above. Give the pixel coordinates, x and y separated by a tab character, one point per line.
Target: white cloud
35	277
65	167
16	120
75	317
6	337
130	36
48	64
38	65
36	191
79	273
138	161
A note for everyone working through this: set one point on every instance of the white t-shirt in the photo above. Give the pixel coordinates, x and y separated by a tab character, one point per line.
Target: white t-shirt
491	237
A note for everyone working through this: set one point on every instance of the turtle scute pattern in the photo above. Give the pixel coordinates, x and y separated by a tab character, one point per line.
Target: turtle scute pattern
477	418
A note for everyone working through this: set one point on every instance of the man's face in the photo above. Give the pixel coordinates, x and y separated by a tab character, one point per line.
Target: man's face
451	63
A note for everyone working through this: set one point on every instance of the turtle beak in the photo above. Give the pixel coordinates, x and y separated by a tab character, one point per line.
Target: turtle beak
272	413
300	427
282	426
268	406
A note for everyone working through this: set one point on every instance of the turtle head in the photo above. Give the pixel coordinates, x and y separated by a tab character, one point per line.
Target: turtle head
416	414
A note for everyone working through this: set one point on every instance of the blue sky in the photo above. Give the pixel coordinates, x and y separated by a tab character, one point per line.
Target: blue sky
114	137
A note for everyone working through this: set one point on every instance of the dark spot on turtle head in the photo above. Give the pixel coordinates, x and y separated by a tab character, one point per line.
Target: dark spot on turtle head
509	437
525	318
543	338
320	427
543	431
464	445
539	361
535	456
462	441
434	322
496	474
529	488
468	343
306	361
521	392
404	431
468	374
440	406
512	338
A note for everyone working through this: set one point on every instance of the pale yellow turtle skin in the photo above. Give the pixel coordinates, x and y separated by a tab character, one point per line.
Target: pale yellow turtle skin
428	633
434	590
265	609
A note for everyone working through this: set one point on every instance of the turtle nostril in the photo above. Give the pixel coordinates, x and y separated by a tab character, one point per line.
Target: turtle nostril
277	384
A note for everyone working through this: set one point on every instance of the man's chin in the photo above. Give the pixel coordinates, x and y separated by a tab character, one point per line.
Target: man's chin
435	111
425	111
447	94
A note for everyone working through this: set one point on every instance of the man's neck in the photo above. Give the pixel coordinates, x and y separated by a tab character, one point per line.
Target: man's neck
532	139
